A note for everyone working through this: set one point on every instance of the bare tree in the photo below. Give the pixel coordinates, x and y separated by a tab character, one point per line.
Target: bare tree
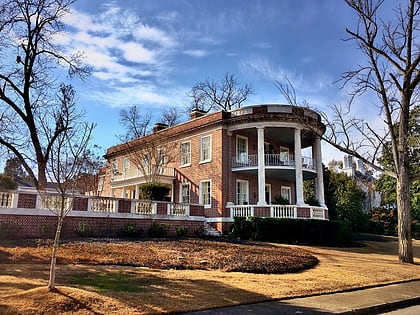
65	163
171	116
28	81
135	122
226	95
392	74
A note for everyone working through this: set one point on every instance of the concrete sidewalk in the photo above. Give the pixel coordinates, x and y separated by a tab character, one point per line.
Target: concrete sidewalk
373	300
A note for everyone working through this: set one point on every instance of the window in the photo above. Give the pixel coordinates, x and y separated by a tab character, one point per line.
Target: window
205	149
101	183
242	149
286	193
126	164
114	167
268	193
242	192
284	155
185	193
205	193
186	153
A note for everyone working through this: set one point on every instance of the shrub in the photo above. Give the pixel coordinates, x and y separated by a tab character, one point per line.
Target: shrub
312	201
45	230
181	231
83	229
154	191
291	231
280	200
6	182
158	229
130	230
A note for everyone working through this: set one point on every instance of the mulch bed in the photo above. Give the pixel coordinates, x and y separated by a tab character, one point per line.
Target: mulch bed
226	255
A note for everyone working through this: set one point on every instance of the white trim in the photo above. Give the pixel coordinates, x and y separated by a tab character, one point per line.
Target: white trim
210	149
201	193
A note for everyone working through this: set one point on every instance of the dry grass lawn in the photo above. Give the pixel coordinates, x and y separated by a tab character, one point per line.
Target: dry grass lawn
151	290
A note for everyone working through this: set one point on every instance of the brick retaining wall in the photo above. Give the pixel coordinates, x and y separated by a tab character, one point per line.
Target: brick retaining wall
14	226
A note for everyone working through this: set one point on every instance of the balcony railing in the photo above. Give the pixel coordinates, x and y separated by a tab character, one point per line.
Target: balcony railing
136	173
276	160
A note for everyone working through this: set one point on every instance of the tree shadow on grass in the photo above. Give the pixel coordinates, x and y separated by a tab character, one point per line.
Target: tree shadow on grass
148	292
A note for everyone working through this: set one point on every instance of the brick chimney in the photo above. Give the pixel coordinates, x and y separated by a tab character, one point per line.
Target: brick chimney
159	126
195	113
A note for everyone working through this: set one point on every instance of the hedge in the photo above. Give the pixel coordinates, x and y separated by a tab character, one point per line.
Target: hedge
292	231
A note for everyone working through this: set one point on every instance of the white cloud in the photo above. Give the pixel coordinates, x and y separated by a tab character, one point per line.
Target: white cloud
198	53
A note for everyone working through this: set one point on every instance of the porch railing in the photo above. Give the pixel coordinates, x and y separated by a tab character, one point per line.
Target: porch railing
279	211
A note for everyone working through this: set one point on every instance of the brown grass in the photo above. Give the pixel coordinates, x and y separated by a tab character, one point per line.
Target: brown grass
22	286
166	254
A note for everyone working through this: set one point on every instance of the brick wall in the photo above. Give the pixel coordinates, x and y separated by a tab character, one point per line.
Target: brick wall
42	226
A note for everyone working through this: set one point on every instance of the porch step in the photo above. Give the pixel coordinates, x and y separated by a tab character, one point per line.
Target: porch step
211	231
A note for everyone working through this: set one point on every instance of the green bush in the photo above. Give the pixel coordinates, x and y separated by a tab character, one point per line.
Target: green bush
181	231
83	229
158	229
280	200
130	230
6	182
154	191
292	231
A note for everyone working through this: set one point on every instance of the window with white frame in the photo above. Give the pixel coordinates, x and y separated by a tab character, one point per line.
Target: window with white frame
285	192
205	149
184	193
241	149
186	153
242	192
126	164
205	193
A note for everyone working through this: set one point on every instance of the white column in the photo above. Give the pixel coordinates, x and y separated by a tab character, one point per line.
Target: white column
319	173
136	196
298	169
261	168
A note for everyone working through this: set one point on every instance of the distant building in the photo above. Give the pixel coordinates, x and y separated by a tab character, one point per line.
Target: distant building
355	168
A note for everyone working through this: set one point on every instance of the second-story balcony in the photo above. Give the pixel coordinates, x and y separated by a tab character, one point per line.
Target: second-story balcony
137	173
275	164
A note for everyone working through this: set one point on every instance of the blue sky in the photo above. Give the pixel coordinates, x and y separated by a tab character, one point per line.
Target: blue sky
151	52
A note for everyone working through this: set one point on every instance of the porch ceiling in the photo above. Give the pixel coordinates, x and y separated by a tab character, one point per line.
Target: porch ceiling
280	134
285	174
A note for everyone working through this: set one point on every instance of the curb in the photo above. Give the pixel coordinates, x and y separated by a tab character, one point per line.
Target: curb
387	307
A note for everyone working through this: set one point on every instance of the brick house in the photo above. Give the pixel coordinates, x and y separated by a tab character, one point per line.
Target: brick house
232	162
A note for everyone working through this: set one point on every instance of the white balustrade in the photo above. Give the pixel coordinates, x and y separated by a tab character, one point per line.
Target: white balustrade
144	207
103	204
178	209
6	199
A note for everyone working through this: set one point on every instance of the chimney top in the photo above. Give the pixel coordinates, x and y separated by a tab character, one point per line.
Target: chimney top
195	113
159	126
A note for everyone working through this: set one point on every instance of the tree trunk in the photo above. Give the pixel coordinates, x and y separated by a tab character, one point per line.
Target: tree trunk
405	245
41	184
51	281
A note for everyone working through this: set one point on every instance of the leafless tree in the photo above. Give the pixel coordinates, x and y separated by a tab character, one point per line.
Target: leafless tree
171	116
135	122
151	156
29	117
392	73
226	95
65	163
